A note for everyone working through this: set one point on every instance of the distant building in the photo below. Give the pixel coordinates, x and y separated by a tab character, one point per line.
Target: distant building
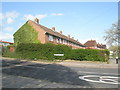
92	44
102	46
5	43
47	35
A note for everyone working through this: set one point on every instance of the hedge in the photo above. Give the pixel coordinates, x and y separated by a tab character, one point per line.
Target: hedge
89	55
7	53
41	51
47	51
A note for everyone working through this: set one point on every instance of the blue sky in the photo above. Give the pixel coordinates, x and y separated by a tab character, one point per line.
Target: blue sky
82	20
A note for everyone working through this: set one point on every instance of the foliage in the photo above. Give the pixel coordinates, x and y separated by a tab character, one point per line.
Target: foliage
115	50
41	51
47	51
88	55
6	52
26	34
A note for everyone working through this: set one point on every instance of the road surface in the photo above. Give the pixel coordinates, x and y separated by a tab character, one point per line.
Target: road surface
24	74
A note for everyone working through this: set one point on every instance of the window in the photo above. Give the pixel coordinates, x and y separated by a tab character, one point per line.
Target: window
50	38
57	39
63	41
6	44
60	40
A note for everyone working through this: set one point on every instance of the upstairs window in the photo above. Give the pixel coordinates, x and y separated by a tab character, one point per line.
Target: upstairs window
50	38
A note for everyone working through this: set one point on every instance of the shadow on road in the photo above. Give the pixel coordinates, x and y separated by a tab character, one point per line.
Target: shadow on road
50	72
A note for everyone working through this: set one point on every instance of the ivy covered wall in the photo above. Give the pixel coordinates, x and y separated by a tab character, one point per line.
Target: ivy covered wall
26	34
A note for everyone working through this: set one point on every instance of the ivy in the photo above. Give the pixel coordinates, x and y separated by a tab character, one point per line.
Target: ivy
26	34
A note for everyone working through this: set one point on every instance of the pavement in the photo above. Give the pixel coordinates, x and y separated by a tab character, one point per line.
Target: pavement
73	63
67	74
91	64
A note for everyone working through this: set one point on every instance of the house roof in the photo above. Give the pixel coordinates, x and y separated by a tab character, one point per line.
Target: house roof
55	33
6	42
101	46
91	43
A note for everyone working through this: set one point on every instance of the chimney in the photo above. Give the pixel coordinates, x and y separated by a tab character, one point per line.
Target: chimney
60	32
77	39
53	28
72	37
36	20
68	36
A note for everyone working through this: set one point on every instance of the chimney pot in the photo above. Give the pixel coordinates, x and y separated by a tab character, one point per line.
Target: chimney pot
53	28
36	20
68	36
61	32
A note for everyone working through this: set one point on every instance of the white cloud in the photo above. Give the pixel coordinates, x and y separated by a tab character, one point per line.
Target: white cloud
12	14
9	21
31	17
9	29
57	14
6	36
1	16
9	17
40	16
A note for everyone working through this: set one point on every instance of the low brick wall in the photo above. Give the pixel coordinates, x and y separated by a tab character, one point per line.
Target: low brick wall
12	49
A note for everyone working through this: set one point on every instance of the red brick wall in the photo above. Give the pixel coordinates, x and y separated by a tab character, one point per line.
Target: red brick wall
12	49
41	32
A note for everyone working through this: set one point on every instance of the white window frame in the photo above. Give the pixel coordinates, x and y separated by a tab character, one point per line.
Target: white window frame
57	39
50	38
60	40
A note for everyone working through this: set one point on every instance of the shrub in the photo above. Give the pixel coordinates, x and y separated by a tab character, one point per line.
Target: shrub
6	53
47	51
89	55
41	51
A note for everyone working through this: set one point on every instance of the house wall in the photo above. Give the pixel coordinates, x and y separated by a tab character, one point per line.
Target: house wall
55	42
47	39
44	37
12	49
41	32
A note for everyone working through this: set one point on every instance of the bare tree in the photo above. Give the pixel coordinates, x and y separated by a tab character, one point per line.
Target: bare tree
113	34
113	38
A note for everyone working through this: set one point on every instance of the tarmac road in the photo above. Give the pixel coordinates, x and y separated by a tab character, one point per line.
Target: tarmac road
23	74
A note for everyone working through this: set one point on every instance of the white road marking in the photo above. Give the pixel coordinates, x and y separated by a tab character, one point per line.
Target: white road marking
18	65
102	79
98	73
109	78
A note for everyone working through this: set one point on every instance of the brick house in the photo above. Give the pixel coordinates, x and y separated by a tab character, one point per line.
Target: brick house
47	35
5	43
92	44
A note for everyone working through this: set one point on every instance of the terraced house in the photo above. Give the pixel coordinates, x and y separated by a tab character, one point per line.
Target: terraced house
33	32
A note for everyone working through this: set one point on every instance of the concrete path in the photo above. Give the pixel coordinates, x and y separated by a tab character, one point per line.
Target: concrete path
73	63
90	64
